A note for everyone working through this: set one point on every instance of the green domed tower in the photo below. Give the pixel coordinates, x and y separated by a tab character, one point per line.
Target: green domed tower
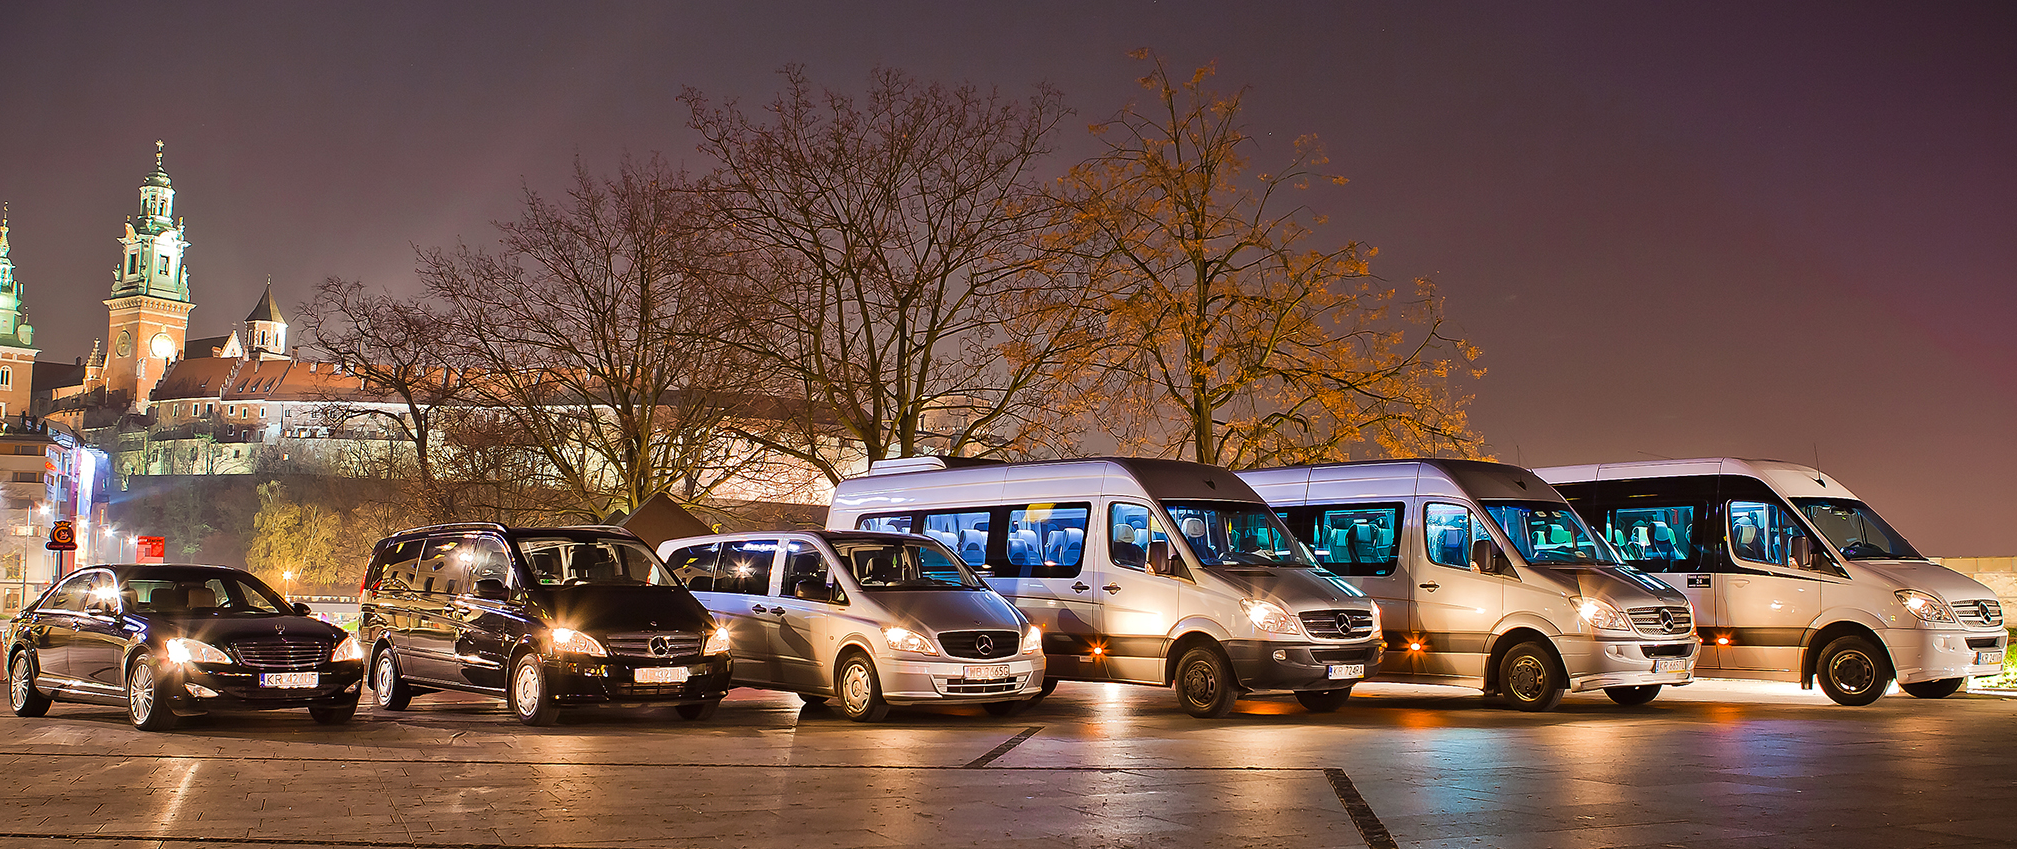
150	304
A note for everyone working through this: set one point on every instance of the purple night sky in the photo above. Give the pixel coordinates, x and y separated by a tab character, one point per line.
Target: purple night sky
1675	229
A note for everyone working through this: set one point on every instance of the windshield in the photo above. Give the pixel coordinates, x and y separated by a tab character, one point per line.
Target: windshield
1855	530
202	592
1231	533
1548	532
892	565
562	561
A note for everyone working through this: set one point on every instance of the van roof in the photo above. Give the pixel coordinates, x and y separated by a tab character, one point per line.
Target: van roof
1165	478
1481	479
1788	479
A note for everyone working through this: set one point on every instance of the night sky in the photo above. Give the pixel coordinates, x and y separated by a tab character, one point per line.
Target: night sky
1675	229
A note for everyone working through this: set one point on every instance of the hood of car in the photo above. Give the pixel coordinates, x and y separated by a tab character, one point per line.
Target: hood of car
220	629
1292	589
602	609
949	610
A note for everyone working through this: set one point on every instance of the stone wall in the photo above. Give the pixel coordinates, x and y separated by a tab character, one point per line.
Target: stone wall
1997	573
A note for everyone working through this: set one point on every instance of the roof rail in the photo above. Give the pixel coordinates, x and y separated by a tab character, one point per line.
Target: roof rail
931	463
454	526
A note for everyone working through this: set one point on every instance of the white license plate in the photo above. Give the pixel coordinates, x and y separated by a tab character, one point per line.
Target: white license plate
289	680
1347	670
987	673
663	674
1669	664
1984	658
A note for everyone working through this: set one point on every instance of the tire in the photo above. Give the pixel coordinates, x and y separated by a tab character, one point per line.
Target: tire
21	693
1852	671
699	710
334	715
528	692
1530	679
860	691
1323	701
1205	684
147	697
388	690
1633	696
1924	689
1011	707
1050	686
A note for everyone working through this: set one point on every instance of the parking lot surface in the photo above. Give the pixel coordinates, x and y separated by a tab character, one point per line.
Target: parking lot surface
1726	764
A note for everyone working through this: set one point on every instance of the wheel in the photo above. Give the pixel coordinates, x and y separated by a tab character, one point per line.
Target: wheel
21	692
1011	707
699	710
147	697
1205	684
388	690
530	698
334	715
1852	671
1633	696
1924	689
811	699
1323	701
1050	686
860	692
1530	679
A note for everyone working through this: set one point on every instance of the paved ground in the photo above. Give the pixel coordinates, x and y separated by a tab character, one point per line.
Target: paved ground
1722	764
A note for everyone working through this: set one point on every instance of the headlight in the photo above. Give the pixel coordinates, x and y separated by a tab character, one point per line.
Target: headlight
1268	617
184	651
1927	606
1601	615
570	640
902	640
717	642
1033	642
349	649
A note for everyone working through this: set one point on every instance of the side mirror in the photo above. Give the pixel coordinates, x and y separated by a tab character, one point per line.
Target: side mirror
300	608
491	588
1802	552
1159	558
812	589
1487	558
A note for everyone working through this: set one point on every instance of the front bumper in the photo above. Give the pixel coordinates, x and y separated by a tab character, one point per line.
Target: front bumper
911	681
1272	665
591	680
1924	654
196	688
1594	664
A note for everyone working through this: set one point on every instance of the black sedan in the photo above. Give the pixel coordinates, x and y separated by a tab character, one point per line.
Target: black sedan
169	640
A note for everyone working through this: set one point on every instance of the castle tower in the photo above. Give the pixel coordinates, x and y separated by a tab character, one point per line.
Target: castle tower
266	329
149	307
17	351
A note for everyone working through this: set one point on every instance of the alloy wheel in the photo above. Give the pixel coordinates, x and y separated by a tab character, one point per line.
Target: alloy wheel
1852	671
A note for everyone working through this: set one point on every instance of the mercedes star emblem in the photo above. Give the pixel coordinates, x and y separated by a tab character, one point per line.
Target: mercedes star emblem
983	644
661	646
1667	621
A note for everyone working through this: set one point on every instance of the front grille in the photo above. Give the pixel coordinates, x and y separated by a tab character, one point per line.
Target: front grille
1649	621
1360	655
982	645
1668	649
646	690
1979	643
1979	612
282	653
1337	624
962	687
653	644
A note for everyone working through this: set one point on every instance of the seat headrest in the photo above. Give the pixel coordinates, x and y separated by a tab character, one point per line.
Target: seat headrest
169	598
201	597
1124	533
1193	527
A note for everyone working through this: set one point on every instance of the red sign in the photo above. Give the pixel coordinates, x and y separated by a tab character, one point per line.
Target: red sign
150	549
61	538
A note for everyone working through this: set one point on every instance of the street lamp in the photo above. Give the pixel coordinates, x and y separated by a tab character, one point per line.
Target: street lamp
287	586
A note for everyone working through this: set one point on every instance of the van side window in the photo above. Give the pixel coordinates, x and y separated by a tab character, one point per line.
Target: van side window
392	569
893	523
1448	530
803	562
694	566
487	560
1131	529
436	573
964	532
745	567
1048	540
1655	539
1762	533
1357	539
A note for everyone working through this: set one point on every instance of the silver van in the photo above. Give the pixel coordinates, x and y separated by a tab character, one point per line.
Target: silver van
1796	579
1145	571
873	619
1488	580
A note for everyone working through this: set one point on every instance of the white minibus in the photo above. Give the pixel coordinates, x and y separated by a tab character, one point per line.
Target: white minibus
1143	571
1487	579
1793	577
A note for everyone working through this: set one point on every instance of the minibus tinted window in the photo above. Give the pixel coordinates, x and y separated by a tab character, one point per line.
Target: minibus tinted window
1447	530
1762	533
1855	530
1656	539
745	566
891	524
1230	533
1358	539
1546	532
1048	540
963	532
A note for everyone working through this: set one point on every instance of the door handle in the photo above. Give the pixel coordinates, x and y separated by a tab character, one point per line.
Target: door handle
1112	588
1079	586
1430	586
758	608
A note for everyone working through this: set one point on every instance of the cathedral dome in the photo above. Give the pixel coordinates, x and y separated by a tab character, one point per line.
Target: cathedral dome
158	178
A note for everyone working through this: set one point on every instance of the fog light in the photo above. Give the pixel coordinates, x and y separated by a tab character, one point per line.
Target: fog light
200	691
1281	655
1414	647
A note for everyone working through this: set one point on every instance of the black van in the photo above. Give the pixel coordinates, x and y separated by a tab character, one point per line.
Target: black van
541	617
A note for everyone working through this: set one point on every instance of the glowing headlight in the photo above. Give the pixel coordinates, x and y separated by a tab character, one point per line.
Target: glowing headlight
349	649
1927	606
1601	615
902	640
570	640
717	642
1033	642
1268	617
183	651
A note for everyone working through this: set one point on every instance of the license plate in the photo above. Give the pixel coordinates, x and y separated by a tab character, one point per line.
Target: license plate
987	673
289	680
663	675
1984	658
1347	670
1669	664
